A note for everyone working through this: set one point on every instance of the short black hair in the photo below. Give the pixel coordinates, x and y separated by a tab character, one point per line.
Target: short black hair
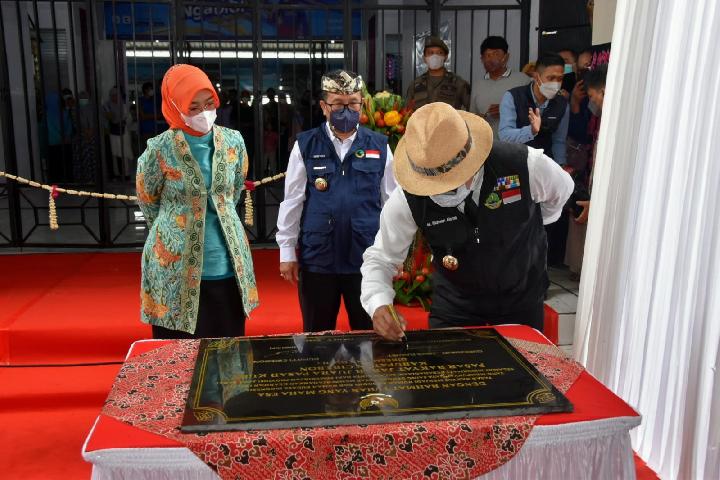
549	59
571	51
596	77
495	43
147	86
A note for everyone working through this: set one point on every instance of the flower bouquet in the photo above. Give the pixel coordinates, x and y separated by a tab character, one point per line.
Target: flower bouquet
413	283
386	113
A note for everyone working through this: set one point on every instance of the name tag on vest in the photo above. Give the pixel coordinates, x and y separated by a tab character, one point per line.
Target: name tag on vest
441	221
319	156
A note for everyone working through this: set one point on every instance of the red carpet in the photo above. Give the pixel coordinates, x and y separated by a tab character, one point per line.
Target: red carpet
68	309
85	308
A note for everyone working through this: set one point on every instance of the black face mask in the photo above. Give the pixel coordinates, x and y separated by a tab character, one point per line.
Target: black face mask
345	120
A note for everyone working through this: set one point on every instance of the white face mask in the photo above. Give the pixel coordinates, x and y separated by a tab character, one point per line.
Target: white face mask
549	89
455	197
202	122
435	61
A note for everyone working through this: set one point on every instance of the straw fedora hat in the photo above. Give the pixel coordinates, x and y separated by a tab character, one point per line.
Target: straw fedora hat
441	149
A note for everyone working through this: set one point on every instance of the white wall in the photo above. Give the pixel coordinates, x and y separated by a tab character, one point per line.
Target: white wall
603	21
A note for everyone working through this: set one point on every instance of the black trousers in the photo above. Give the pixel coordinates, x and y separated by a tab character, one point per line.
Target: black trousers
533	317
557	239
320	295
220	313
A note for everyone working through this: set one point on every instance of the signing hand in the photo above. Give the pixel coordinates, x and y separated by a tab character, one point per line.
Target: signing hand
386	326
535	120
290	271
583	217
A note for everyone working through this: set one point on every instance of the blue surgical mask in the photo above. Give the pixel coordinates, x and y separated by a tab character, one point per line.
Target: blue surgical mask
345	120
568	68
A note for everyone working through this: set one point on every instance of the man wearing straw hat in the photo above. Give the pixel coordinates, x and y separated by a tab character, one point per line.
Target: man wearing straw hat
481	205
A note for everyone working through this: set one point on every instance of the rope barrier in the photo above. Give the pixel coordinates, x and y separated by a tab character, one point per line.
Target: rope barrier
55	191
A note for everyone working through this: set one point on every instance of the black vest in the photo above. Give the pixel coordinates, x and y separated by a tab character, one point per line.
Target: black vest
551	116
501	253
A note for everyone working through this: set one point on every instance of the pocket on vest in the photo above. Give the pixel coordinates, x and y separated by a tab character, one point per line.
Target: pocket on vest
363	235
368	172
316	241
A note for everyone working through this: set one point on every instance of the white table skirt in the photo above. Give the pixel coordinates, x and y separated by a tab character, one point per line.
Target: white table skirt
592	450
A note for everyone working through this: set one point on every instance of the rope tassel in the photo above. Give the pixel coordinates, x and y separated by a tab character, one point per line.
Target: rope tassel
52	211
249	214
55	192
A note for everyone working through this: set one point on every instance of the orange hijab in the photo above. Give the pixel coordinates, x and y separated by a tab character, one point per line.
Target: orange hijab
180	85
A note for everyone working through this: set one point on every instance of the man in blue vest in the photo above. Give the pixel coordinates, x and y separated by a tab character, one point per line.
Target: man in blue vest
481	206
537	116
338	178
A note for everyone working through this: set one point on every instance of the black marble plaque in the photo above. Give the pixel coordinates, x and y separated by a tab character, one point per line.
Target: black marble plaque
314	380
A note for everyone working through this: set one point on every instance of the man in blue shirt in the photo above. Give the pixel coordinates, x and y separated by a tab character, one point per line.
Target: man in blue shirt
534	114
537	116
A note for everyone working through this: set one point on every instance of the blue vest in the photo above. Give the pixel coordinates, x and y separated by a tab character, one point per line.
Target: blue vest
340	222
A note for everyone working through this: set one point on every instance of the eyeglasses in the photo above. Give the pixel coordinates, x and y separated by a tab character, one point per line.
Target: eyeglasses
339	107
196	110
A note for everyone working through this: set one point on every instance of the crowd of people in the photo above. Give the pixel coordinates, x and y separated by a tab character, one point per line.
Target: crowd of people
496	178
546	105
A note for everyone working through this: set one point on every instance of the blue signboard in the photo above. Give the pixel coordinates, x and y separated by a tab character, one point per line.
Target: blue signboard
146	21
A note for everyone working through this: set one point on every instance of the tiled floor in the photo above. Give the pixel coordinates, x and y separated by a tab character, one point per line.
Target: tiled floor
562	297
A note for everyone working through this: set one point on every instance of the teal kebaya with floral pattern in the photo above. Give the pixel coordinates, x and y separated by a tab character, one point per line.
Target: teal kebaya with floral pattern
173	196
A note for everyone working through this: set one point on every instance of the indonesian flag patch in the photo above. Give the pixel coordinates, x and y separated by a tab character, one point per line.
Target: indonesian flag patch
372	153
510	196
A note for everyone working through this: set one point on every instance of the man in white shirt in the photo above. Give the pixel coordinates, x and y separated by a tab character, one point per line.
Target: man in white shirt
338	177
481	206
488	91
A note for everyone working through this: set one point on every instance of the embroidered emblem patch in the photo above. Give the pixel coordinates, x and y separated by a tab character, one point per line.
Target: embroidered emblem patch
493	201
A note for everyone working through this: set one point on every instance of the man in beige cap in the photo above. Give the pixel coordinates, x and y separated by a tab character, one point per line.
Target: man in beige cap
481	205
438	84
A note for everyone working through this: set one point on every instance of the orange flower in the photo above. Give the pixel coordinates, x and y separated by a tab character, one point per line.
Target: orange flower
151	308
192	278
232	155
392	118
142	194
164	256
169	172
196	208
221	205
181	221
